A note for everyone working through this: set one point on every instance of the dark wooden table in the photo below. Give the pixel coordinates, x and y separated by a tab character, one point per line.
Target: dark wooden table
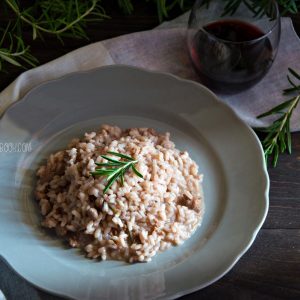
271	268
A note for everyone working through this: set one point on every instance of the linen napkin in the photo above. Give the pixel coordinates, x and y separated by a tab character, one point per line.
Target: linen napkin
163	49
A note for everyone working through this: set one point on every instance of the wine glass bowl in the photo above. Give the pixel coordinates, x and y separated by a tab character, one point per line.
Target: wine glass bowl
232	50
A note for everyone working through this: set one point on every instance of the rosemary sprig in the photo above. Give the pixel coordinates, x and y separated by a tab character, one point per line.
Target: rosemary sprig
278	139
15	51
115	169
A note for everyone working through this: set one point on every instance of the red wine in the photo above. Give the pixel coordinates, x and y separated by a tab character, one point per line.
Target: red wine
234	31
231	55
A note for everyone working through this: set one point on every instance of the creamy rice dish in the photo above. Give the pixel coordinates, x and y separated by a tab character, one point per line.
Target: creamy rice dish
135	217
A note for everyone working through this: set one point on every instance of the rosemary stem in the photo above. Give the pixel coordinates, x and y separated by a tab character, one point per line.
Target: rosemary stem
34	25
286	117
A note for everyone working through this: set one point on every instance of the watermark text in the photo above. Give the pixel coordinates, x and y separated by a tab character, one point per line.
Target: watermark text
15	147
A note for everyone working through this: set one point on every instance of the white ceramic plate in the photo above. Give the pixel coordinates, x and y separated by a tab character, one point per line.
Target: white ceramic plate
227	151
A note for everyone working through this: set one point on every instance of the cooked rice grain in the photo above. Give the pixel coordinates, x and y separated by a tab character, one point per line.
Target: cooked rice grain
131	222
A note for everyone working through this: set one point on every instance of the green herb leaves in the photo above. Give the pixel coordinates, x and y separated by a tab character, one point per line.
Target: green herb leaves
13	50
115	169
62	18
57	16
278	134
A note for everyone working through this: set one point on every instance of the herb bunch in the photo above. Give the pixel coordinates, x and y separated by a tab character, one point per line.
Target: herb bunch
69	18
115	169
61	18
278	134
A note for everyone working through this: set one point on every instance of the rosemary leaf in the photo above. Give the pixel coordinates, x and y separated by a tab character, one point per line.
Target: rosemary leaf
277	109
106	164
113	160
120	155
110	183
9	59
122	178
289	137
137	172
294	73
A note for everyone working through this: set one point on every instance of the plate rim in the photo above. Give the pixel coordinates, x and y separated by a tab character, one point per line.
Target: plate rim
246	246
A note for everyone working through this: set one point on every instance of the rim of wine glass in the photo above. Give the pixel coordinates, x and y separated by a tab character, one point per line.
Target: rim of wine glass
277	22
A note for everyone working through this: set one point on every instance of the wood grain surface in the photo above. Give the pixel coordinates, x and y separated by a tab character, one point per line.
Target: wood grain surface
271	268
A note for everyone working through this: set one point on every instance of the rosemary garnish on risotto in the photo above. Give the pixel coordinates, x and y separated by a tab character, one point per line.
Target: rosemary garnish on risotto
115	169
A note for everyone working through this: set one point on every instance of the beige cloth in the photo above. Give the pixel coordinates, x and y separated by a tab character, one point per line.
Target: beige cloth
164	49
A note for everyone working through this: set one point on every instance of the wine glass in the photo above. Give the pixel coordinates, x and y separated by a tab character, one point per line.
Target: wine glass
233	47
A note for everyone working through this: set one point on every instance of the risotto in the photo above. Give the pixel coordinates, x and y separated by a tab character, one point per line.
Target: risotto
133	220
